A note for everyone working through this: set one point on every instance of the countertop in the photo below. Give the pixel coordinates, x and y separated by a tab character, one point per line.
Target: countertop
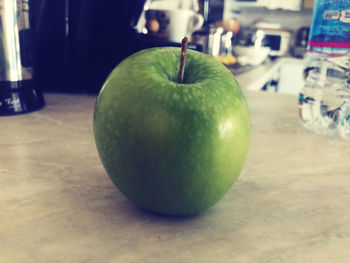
290	203
256	77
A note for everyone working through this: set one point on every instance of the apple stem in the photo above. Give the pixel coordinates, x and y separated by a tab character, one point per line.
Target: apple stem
183	59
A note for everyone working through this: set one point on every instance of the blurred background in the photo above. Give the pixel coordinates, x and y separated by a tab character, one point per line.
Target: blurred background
78	42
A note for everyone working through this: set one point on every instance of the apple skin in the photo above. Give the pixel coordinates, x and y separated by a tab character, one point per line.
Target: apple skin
172	148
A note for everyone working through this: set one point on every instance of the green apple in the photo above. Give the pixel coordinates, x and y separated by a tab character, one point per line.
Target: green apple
172	148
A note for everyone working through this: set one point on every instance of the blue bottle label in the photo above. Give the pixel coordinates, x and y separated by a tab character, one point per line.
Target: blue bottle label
330	27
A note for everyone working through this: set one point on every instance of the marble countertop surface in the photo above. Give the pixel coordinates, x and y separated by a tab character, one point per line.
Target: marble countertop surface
258	76
290	203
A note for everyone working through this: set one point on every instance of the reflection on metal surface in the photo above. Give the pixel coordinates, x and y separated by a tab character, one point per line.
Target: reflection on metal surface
15	41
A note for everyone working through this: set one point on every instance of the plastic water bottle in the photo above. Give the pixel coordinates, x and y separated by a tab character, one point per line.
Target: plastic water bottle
324	101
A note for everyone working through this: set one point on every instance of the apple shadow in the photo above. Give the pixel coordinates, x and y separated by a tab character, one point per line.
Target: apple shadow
97	196
132	210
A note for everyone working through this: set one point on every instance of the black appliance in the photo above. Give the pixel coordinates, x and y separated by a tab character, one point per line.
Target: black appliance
81	41
299	45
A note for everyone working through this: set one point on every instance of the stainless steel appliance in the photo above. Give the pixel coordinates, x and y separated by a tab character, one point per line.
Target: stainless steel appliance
18	91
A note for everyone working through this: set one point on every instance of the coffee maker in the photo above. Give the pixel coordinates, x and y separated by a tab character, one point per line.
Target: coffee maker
81	41
19	92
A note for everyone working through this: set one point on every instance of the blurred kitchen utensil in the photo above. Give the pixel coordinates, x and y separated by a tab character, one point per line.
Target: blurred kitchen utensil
211	39
251	55
216	42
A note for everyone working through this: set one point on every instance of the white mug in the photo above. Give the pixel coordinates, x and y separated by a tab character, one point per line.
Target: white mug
183	23
176	23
